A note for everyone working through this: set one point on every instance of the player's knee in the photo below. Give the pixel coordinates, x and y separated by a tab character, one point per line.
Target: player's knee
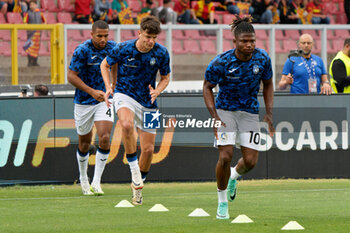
127	126
250	162
84	146
104	140
149	149
225	158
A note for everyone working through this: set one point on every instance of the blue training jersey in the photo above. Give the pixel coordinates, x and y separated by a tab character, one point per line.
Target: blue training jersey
136	70
303	69
239	81
86	60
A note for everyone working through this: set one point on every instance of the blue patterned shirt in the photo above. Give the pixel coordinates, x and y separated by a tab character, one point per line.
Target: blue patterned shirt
239	81
86	61
136	70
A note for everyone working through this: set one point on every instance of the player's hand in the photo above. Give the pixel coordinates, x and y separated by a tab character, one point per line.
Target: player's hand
109	92
326	89
98	95
289	79
153	92
268	120
216	129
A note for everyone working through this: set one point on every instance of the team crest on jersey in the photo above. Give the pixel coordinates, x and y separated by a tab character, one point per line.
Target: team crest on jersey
153	61
223	136
255	69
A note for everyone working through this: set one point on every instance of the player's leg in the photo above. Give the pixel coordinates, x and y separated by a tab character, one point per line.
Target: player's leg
83	162
147	141
103	131
104	118
225	141
222	176
126	118
249	138
83	116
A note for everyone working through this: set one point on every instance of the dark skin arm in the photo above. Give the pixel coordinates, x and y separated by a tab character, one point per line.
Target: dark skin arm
74	79
208	96
268	99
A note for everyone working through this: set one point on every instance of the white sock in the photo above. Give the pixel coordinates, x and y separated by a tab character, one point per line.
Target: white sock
134	166
234	174
101	160
83	163
222	195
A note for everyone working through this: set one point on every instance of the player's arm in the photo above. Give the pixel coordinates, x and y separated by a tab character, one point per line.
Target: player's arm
74	79
163	83
268	99
105	67
114	73
208	96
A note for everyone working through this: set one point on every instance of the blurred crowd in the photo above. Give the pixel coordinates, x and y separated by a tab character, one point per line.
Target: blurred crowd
192	12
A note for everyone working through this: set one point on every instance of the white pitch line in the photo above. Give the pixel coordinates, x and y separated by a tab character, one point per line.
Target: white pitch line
172	195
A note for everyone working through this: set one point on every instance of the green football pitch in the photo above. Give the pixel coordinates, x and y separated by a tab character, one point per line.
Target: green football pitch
318	205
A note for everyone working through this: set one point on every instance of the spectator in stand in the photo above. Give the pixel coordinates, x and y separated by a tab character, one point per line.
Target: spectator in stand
165	13
347	9
24	5
148	7
41	90
228	5
263	11
117	7
184	12
3	6
32	46
101	10
83	10
315	7
10	5
204	11
292	12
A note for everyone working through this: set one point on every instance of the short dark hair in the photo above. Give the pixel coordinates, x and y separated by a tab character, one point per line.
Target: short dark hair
41	89
149	2
166	1
347	41
100	24
242	25
151	25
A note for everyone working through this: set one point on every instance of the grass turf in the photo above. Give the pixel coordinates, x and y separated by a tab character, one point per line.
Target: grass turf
318	205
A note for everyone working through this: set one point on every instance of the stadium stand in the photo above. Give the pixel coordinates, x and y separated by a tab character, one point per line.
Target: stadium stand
5	35
65	5
177	47
48	5
191	46
178	34
64	17
193	34
4	48
312	32
341	33
208	46
74	35
2	19
50	17
14	18
279	35
261	35
292	34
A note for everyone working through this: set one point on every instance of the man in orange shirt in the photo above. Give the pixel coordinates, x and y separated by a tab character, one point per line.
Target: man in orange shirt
184	12
315	8
204	10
